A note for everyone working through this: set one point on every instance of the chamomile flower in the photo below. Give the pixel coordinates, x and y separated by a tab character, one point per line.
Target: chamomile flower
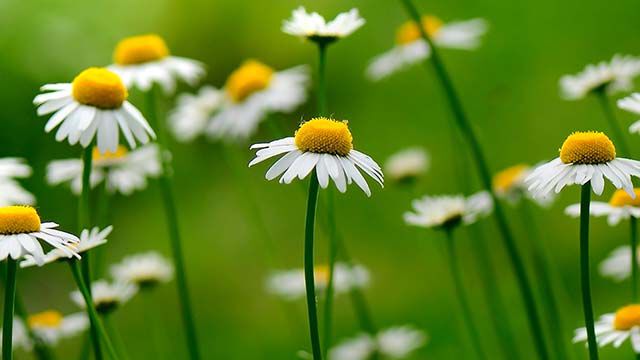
94	105
621	207
410	48
144	60
613	76
144	270
123	171
617	265
21	232
392	343
20	337
322	144
584	156
107	297
193	112
407	165
314	27
51	326
445	211
290	285
11	193
509	184
632	104
251	92
615	328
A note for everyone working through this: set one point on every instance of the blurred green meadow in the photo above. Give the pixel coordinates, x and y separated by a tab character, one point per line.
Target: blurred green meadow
509	87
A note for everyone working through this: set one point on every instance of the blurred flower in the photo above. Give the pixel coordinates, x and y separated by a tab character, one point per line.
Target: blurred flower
618	264
107	297
93	105
21	231
614	76
632	104
616	328
11	193
620	207
144	270
393	343
144	60
407	165
193	112
584	156
314	27
446	211
20	336
411	48
51	326
88	241
290	284
509	184
124	171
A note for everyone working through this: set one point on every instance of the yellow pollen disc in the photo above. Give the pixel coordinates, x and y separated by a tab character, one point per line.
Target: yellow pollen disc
506	179
99	87
321	274
620	198
250	77
140	49
409	31
18	220
325	136
627	317
588	147
109	156
48	319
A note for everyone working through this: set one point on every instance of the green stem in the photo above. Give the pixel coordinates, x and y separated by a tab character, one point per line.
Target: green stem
585	201
634	258
333	249
308	266
156	325
9	300
483	169
620	138
322	81
112	330
174	232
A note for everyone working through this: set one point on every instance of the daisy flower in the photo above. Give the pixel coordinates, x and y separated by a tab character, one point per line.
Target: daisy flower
144	270
621	207
615	328
107	297
410	48
11	193
509	184
20	336
632	104
446	211
51	326
93	105
613	76
123	171
584	156
322	144
144	60
290	284
392	343
407	165
251	92
314	27
192	113
617	265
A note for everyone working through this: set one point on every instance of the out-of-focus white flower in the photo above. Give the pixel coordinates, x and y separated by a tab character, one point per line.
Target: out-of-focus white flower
392	343
313	26
51	326
449	210
632	104
613	76
617	265
620	207
11	193
20	337
615	328
144	270
407	165
193	112
107	297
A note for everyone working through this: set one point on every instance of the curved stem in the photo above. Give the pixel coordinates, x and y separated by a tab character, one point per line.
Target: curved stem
620	138
333	249
9	299
308	266
585	201
634	258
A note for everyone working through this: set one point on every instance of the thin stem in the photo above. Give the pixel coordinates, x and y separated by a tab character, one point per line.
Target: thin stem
156	326
620	138
308	267
634	258
174	232
322	81
115	335
483	169
333	249
585	202
9	300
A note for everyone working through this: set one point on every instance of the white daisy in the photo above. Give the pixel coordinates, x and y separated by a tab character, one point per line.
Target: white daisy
193	112
617	265
124	171
392	343
144	60
620	207
509	184
584	156
251	92
632	104
88	241
449	210
289	284
51	326
614	76
21	232
615	328
107	297
93	105
20	336
324	145
411	48
407	165
144	270
11	192
314	27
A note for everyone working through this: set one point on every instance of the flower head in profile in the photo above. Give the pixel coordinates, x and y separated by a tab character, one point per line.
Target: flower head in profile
193	112
410	48
615	328
21	232
509	184
144	270
584	157
314	27
392	343
289	284
447	211
617	265
144	60
613	76
631	103
407	165
11	192
107	297
325	145
51	326
93	106
122	171
621	207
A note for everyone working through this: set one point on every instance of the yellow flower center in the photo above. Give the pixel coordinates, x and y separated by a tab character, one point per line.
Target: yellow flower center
507	178
18	220
627	317
45	319
326	136
140	49
410	32
321	274
250	77
620	198
99	87
588	147
109	157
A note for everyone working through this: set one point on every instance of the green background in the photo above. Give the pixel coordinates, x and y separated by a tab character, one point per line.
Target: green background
509	87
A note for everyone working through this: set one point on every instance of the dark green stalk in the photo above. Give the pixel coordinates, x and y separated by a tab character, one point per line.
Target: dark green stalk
102	220
620	138
322	80
585	201
333	249
9	300
308	267
634	258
